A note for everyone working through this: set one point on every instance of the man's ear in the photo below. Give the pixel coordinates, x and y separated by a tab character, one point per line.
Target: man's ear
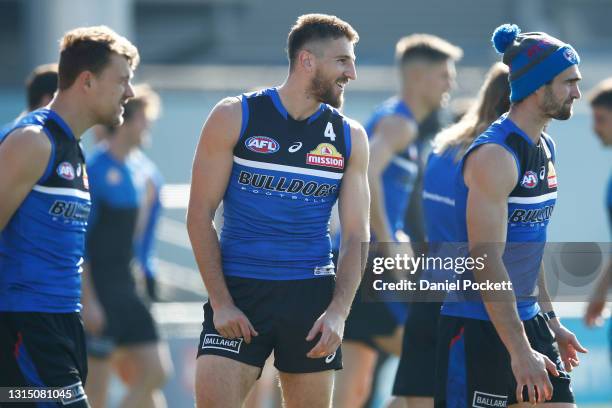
306	60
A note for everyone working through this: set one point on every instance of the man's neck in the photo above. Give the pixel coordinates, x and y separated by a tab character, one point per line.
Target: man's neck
119	148
72	113
417	106
529	120
296	99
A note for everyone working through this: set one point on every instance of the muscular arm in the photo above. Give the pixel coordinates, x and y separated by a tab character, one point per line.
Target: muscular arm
353	205
392	135
353	208
24	156
490	174
211	171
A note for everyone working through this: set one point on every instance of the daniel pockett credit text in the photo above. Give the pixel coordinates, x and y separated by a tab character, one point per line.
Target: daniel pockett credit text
417	272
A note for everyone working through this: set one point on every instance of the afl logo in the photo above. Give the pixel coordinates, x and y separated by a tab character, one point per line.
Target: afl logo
530	179
262	144
65	171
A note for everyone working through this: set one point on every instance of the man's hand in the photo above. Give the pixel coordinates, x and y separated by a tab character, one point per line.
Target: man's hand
530	370
231	323
594	312
94	318
331	326
568	346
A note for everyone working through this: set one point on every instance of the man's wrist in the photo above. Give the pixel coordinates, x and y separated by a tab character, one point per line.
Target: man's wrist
339	309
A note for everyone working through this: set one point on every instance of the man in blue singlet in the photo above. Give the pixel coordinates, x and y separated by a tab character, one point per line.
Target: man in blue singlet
125	332
44	211
426	66
420	338
600	99
279	159
495	347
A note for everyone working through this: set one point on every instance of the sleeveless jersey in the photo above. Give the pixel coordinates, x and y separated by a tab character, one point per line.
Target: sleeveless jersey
438	198
144	245
530	206
41	247
401	174
285	179
116	193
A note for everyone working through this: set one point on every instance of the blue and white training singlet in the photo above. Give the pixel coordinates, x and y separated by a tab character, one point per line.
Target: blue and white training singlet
401	174
530	206
41	247
439	180
285	179
438	197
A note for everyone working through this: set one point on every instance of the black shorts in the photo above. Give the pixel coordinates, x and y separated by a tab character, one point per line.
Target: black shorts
416	371
370	315
282	312
370	319
473	366
43	350
128	323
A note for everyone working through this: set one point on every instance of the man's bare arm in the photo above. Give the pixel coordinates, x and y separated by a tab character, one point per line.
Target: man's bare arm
568	344
353	207
211	171
393	134
24	156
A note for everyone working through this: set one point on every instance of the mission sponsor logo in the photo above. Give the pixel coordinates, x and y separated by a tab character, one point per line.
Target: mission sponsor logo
65	171
325	155
285	186
214	341
262	144
531	216
529	180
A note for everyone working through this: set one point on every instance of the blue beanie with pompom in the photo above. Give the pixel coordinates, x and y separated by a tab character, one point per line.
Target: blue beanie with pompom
534	59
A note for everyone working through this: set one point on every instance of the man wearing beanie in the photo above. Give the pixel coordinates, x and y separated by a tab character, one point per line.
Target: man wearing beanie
495	345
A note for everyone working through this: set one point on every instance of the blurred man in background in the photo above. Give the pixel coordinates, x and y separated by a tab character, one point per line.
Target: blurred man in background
600	99
121	330
276	158
44	211
426	66
41	85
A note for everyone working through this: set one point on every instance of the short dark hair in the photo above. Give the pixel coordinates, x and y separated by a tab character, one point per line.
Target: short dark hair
90	49
41	82
601	95
314	27
425	47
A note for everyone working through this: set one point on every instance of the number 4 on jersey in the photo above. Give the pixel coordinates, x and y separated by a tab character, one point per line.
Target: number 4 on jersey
329	132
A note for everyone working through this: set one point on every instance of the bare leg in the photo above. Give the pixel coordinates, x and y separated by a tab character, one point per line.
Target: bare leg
223	383
144	369
354	382
98	378
307	390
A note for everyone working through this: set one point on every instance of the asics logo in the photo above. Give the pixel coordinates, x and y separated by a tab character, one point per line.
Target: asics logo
295	147
330	358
